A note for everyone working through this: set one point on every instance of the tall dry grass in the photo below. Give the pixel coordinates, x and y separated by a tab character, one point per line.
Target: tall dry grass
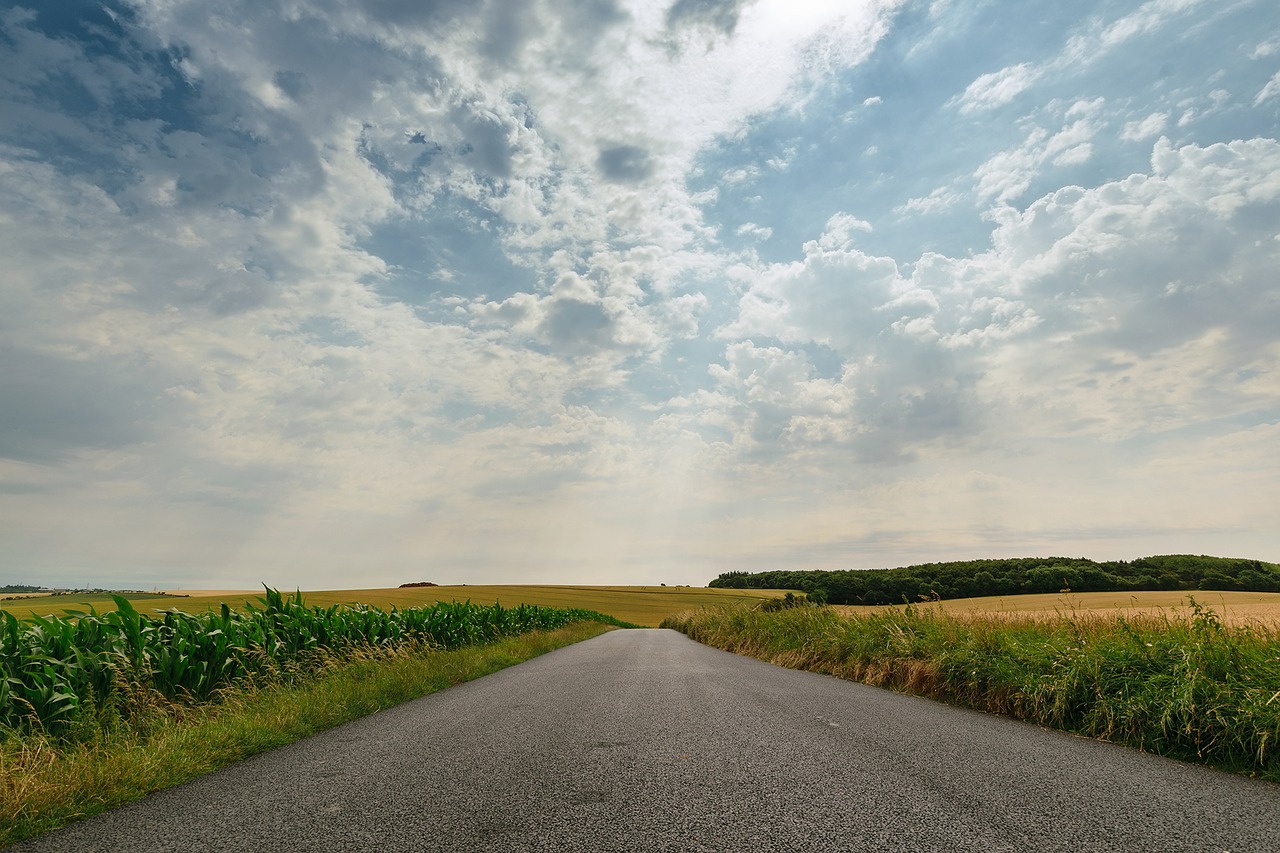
1190	688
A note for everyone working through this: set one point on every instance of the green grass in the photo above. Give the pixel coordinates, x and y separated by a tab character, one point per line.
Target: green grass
1189	688
48	781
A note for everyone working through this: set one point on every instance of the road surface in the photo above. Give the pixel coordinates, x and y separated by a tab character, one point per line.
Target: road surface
644	740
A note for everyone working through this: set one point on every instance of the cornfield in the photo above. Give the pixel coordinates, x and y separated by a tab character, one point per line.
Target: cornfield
53	669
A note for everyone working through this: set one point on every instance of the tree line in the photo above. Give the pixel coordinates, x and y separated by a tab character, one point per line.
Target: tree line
973	578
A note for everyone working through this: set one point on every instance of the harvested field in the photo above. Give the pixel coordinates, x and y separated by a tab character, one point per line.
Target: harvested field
640	605
1233	608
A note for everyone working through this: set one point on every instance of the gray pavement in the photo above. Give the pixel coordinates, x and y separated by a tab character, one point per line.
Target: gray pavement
645	740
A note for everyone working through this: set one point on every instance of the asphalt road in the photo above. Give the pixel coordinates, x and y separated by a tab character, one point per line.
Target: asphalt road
645	740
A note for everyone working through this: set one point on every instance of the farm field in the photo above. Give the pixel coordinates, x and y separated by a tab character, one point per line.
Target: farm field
1233	608
641	605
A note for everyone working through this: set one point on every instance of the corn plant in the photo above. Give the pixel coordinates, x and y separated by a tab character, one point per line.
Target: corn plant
55	668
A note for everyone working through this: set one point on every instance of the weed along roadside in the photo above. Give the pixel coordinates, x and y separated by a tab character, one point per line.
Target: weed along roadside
98	710
1194	689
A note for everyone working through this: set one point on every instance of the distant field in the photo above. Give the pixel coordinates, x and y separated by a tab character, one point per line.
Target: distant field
642	605
649	605
44	604
1233	607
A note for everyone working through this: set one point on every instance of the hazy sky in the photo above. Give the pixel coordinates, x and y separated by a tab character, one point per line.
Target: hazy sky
342	293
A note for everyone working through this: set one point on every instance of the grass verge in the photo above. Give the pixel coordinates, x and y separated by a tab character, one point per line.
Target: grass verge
1189	688
47	782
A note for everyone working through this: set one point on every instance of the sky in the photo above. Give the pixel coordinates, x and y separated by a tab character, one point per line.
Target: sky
352	293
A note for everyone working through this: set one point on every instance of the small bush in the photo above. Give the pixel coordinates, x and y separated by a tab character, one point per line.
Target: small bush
770	605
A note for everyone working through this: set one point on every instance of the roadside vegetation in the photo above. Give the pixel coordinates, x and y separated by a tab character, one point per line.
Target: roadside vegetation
974	578
1189	688
99	709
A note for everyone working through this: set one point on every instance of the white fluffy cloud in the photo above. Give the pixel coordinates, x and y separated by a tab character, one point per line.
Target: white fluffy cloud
1009	174
1114	311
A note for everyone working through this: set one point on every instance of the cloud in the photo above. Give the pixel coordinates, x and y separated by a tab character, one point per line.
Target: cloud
1114	311
1270	47
940	199
740	176
575	319
629	164
58	406
840	229
1269	91
720	14
750	229
431	117
1148	18
996	89
1152	125
773	403
783	162
829	298
1008	174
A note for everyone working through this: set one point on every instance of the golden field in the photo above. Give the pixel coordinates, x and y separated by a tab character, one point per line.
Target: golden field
649	605
1235	608
641	605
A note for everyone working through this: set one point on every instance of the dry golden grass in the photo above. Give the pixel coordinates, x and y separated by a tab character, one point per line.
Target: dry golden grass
1234	608
640	605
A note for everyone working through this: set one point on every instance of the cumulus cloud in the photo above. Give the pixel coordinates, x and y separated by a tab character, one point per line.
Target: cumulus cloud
1009	174
774	404
840	230
625	163
574	319
1138	311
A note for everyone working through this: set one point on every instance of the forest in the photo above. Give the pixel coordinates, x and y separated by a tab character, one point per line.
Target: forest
973	578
